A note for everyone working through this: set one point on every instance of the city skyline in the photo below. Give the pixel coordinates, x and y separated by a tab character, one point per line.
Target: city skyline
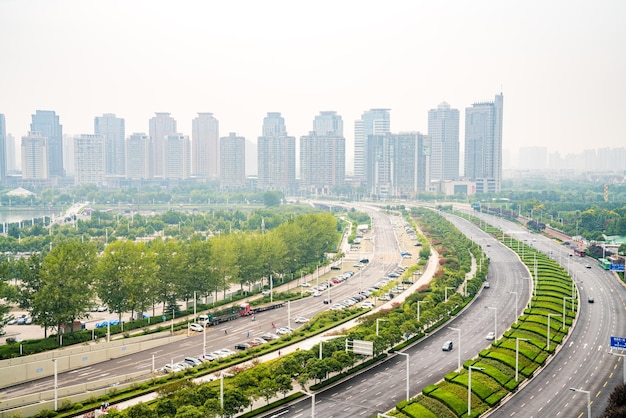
555	66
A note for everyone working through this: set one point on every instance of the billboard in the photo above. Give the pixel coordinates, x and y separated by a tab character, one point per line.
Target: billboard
365	348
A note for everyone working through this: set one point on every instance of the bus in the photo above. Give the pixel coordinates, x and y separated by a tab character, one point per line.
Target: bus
580	252
604	263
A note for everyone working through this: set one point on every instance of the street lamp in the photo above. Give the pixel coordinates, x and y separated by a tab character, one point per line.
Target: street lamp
312	395
588	399
517	340
469	389
377	321
56	385
549	316
495	320
459	350
407	374
447	293
222	374
566	297
418	310
516	312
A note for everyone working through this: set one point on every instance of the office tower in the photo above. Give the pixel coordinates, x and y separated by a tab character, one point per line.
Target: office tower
3	150
112	128
68	155
232	162
372	122
46	122
483	145
161	125
443	130
205	142
533	158
379	157
89	159
138	156
35	157
13	162
276	156
323	155
177	149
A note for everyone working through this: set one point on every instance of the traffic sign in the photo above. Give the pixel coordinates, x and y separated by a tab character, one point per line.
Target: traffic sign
618	342
617	267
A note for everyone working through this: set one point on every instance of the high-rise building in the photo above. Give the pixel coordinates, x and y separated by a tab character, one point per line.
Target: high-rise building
3	150
35	157
205	143
233	162
138	156
13	163
69	162
323	155
113	130
161	125
89	159
533	158
276	156
443	130
372	122
177	149
483	145
46	122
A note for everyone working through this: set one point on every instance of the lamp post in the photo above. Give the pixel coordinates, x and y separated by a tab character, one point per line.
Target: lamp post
495	320
469	388
407	374
447	293
549	316
459	350
516	312
517	340
56	385
566	297
418	310
312	395
588	399
377	321
222	374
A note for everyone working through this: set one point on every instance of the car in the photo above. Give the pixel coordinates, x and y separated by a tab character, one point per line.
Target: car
447	346
364	260
242	346
193	361
316	294
491	336
102	308
588	266
270	336
258	341
210	357
358	265
337	307
367	305
183	365
196	327
385	297
284	331
224	352
171	368
335	268
590	299
301	320
486	285
266	292
305	285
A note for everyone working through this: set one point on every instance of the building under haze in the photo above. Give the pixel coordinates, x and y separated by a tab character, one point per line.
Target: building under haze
138	156
233	162
276	155
35	157
46	123
89	159
113	130
372	122
177	151
323	155
205	142
13	163
533	158
483	145
443	130
3	150
161	125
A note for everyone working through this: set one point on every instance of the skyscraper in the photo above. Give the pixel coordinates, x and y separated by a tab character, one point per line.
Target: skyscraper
483	145
46	122
276	155
13	163
113	130
138	156
372	122
3	150
205	143
443	130
161	125
233	162
323	154
35	157
89	159
177	151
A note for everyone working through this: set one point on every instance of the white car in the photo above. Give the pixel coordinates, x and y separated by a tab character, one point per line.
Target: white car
283	330
336	307
171	368
368	305
305	285
301	320
491	336
196	327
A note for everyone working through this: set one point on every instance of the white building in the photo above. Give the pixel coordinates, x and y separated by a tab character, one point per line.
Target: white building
89	160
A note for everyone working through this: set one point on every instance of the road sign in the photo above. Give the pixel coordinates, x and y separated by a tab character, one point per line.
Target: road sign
618	342
362	347
617	267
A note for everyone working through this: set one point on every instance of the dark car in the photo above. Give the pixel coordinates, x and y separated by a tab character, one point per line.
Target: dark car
590	299
335	268
242	346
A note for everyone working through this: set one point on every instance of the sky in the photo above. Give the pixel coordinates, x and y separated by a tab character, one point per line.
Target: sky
560	64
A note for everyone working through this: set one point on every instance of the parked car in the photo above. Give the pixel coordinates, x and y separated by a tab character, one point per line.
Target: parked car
171	368
305	285
196	327
258	341
284	330
490	336
242	346
336	307
270	336
335	268
184	365
447	346
193	361
210	357
368	304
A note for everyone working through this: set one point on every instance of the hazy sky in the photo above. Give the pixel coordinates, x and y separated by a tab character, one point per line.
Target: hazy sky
561	65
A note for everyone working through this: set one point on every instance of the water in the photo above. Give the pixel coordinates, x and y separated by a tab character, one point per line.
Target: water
17	215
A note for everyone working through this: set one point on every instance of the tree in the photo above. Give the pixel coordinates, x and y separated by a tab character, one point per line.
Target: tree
616	407
66	291
272	198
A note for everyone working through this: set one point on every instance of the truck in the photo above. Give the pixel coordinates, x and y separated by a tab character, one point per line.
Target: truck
210	319
246	310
